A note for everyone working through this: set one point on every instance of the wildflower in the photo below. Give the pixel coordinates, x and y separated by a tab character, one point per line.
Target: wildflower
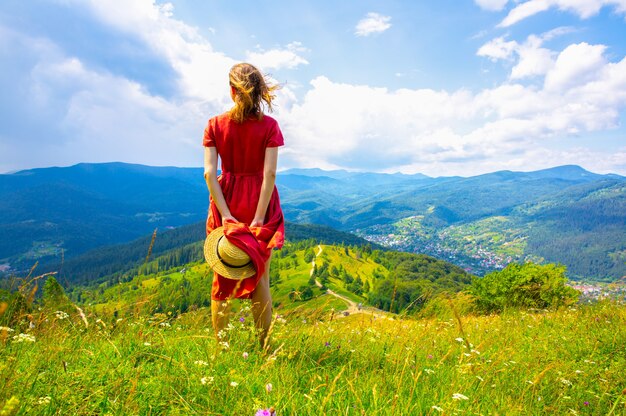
23	337
242	319
233	384
245	355
206	380
437	408
224	344
265	412
429	371
147	344
327	344
566	382
430	356
61	315
200	362
586	403
459	396
44	400
165	324
268	388
6	329
221	334
459	339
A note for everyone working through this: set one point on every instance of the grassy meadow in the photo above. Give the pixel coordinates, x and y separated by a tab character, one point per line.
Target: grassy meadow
570	361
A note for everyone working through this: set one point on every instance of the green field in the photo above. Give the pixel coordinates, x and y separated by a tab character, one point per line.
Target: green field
569	361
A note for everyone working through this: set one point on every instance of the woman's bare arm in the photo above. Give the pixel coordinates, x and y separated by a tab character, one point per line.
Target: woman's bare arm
267	187
210	176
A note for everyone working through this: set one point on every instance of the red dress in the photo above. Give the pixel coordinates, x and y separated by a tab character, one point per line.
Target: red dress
241	148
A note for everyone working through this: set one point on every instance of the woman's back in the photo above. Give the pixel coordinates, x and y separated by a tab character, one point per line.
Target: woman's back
241	146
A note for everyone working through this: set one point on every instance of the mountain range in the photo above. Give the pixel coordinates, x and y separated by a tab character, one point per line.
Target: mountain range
563	214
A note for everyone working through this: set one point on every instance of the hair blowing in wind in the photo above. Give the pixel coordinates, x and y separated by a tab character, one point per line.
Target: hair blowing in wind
252	92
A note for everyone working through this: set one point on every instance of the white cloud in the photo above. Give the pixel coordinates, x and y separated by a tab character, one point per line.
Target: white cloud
583	8
460	132
202	71
577	64
498	48
372	23
278	58
494	5
532	59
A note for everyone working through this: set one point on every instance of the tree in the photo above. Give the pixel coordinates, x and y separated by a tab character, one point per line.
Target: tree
53	294
526	285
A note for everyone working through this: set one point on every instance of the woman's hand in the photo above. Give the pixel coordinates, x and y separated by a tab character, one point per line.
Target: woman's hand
229	217
257	222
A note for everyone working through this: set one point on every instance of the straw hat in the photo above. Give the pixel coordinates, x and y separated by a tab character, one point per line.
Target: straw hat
225	258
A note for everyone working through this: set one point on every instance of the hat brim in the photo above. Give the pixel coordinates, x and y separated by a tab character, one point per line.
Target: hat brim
212	258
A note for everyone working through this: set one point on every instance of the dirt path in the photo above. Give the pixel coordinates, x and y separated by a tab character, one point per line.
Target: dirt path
353	307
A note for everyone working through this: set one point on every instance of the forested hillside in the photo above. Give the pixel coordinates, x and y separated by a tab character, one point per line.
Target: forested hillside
359	273
564	214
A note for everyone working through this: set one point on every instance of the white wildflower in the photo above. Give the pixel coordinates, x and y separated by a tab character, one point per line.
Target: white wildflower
200	362
566	382
23	338
224	344
437	408
165	324
61	315
44	400
459	339
233	384
429	371
6	329
206	380
459	396
269	387
147	344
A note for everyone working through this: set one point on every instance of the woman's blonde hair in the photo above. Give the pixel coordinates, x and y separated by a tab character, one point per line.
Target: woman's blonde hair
252	92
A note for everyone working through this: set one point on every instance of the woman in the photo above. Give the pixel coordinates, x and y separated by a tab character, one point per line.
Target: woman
247	141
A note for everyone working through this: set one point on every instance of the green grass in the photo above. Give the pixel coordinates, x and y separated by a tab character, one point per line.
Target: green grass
570	361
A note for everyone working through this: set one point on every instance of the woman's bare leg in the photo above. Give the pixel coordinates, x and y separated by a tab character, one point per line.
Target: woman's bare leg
262	306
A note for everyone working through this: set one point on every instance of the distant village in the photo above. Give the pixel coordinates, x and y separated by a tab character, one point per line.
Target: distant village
482	261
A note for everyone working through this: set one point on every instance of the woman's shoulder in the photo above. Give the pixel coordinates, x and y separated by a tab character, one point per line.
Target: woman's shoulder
220	118
269	119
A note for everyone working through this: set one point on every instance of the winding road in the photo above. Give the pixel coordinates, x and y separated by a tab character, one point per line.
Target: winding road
353	307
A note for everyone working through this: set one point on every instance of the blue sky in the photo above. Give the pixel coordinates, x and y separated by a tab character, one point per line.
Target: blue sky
441	87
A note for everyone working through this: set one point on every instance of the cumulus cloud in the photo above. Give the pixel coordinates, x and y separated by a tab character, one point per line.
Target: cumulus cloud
494	5
583	8
371	24
459	132
532	58
202	71
279	58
